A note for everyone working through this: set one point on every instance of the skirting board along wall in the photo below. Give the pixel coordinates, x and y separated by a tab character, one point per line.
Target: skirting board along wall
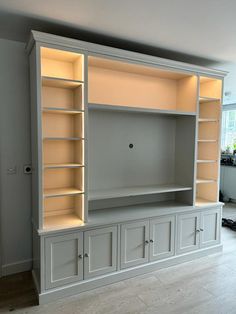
15	189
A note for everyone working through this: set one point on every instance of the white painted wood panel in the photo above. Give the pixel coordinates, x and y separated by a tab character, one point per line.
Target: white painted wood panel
210	227
162	234
188	232
134	243
100	251
63	259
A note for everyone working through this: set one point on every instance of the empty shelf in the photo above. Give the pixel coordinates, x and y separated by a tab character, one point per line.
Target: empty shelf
208	99
207	120
135	191
61	222
203	161
66	165
203	202
201	180
61	110
61	192
63	138
108	107
60	82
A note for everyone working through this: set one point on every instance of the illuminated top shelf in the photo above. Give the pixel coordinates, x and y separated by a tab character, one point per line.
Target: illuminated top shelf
60	82
61	110
61	192
208	99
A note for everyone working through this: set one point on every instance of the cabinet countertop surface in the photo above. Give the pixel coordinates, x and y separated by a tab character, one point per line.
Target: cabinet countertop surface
108	216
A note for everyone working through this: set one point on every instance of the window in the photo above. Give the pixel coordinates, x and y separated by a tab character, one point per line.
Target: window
228	139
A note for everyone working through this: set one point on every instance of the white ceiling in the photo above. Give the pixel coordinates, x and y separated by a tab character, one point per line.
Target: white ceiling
200	28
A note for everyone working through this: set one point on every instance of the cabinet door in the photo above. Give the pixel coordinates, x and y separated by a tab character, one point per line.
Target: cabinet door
64	259
162	237
100	251
210	227
188	237
134	243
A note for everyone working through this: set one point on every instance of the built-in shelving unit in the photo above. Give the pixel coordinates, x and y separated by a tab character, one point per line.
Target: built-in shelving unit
208	140
125	158
63	136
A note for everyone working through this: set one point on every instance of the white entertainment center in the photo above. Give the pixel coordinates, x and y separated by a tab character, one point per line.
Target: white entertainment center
126	152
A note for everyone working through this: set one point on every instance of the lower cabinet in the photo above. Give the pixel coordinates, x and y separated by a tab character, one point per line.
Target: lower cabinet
100	251
210	227
162	236
134	243
188	232
73	257
198	230
63	259
147	240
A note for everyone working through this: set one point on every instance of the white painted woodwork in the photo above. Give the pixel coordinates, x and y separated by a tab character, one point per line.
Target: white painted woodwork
162	235
188	232
100	251
210	227
63	264
134	243
150	205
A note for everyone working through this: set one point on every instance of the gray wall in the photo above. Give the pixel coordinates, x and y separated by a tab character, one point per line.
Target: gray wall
15	189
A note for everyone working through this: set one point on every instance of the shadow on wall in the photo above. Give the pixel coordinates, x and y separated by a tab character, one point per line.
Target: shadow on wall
19	27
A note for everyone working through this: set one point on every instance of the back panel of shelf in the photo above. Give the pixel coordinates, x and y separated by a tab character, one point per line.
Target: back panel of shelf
210	94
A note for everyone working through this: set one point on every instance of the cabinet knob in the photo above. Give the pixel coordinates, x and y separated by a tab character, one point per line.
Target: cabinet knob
201	229
146	242
151	241
80	256
197	230
86	255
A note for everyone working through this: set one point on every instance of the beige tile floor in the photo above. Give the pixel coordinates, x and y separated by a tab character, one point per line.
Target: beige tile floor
206	285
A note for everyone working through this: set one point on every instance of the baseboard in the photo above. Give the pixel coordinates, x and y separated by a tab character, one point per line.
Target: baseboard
18	267
85	285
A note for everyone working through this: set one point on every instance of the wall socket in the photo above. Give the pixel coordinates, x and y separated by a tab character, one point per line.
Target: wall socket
27	169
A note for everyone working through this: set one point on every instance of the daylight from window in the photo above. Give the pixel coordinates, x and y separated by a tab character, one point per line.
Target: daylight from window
228	139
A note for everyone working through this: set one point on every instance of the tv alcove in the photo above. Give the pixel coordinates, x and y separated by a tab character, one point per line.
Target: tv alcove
125	153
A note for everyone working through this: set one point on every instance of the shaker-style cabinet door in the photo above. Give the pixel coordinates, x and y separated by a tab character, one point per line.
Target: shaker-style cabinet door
210	227
100	251
64	259
162	235
188	234
134	243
